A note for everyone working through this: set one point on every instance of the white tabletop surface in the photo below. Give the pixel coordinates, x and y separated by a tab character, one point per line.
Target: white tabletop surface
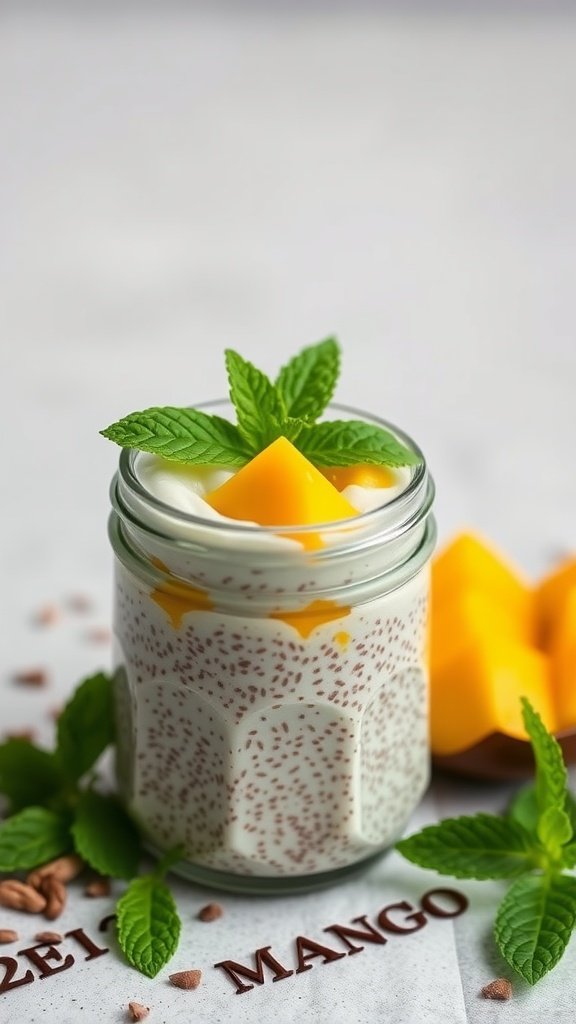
174	181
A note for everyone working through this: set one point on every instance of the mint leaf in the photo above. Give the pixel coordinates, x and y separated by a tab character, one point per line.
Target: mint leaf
148	924
352	442
479	846
524	808
105	836
554	829
32	837
551	776
28	775
534	923
307	382
258	404
86	726
183	435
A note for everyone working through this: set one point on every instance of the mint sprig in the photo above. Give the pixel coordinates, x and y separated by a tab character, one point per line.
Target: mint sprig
533	844
59	811
265	410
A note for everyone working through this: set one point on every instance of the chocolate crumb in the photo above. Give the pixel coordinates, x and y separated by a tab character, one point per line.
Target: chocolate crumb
500	988
98	887
47	615
50	937
31	677
186	979
79	603
7	935
137	1011
98	635
211	912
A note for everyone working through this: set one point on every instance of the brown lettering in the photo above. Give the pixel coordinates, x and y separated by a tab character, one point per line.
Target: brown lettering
316	949
428	904
388	925
345	933
262	957
84	940
40	960
11	966
103	926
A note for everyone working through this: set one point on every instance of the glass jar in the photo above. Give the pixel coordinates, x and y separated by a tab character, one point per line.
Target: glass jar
271	685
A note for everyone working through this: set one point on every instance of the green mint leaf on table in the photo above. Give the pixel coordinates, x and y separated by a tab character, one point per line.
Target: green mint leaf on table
148	923
32	837
481	846
534	923
259	406
28	775
307	382
86	726
105	837
351	443
183	435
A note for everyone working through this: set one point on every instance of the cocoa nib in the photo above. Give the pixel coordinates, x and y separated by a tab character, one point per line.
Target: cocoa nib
500	988
98	887
48	937
137	1011
186	979
211	912
31	677
7	935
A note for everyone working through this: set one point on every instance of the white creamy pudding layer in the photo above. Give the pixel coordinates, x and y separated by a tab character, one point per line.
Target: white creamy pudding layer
273	700
185	487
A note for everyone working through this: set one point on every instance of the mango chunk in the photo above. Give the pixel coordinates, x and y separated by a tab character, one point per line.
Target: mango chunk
469	563
563	657
360	476
280	487
472	616
478	692
551	594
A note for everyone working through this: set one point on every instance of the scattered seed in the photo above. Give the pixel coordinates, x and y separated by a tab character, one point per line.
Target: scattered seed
500	988
137	1011
98	635
211	912
79	603
18	896
98	887
55	892
186	979
7	935
31	677
47	615
50	937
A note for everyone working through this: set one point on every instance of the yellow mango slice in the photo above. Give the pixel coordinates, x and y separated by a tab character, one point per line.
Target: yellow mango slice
280	487
563	657
469	563
472	616
360	476
551	594
478	692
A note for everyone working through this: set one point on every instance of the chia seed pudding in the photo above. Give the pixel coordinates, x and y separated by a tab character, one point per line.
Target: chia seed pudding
271	697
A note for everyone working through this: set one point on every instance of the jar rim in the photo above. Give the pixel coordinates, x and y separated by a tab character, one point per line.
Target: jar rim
405	502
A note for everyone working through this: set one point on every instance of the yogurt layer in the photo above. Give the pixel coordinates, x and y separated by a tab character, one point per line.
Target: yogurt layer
184	488
273	704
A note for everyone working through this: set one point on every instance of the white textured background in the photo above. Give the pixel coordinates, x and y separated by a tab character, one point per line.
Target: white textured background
174	180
